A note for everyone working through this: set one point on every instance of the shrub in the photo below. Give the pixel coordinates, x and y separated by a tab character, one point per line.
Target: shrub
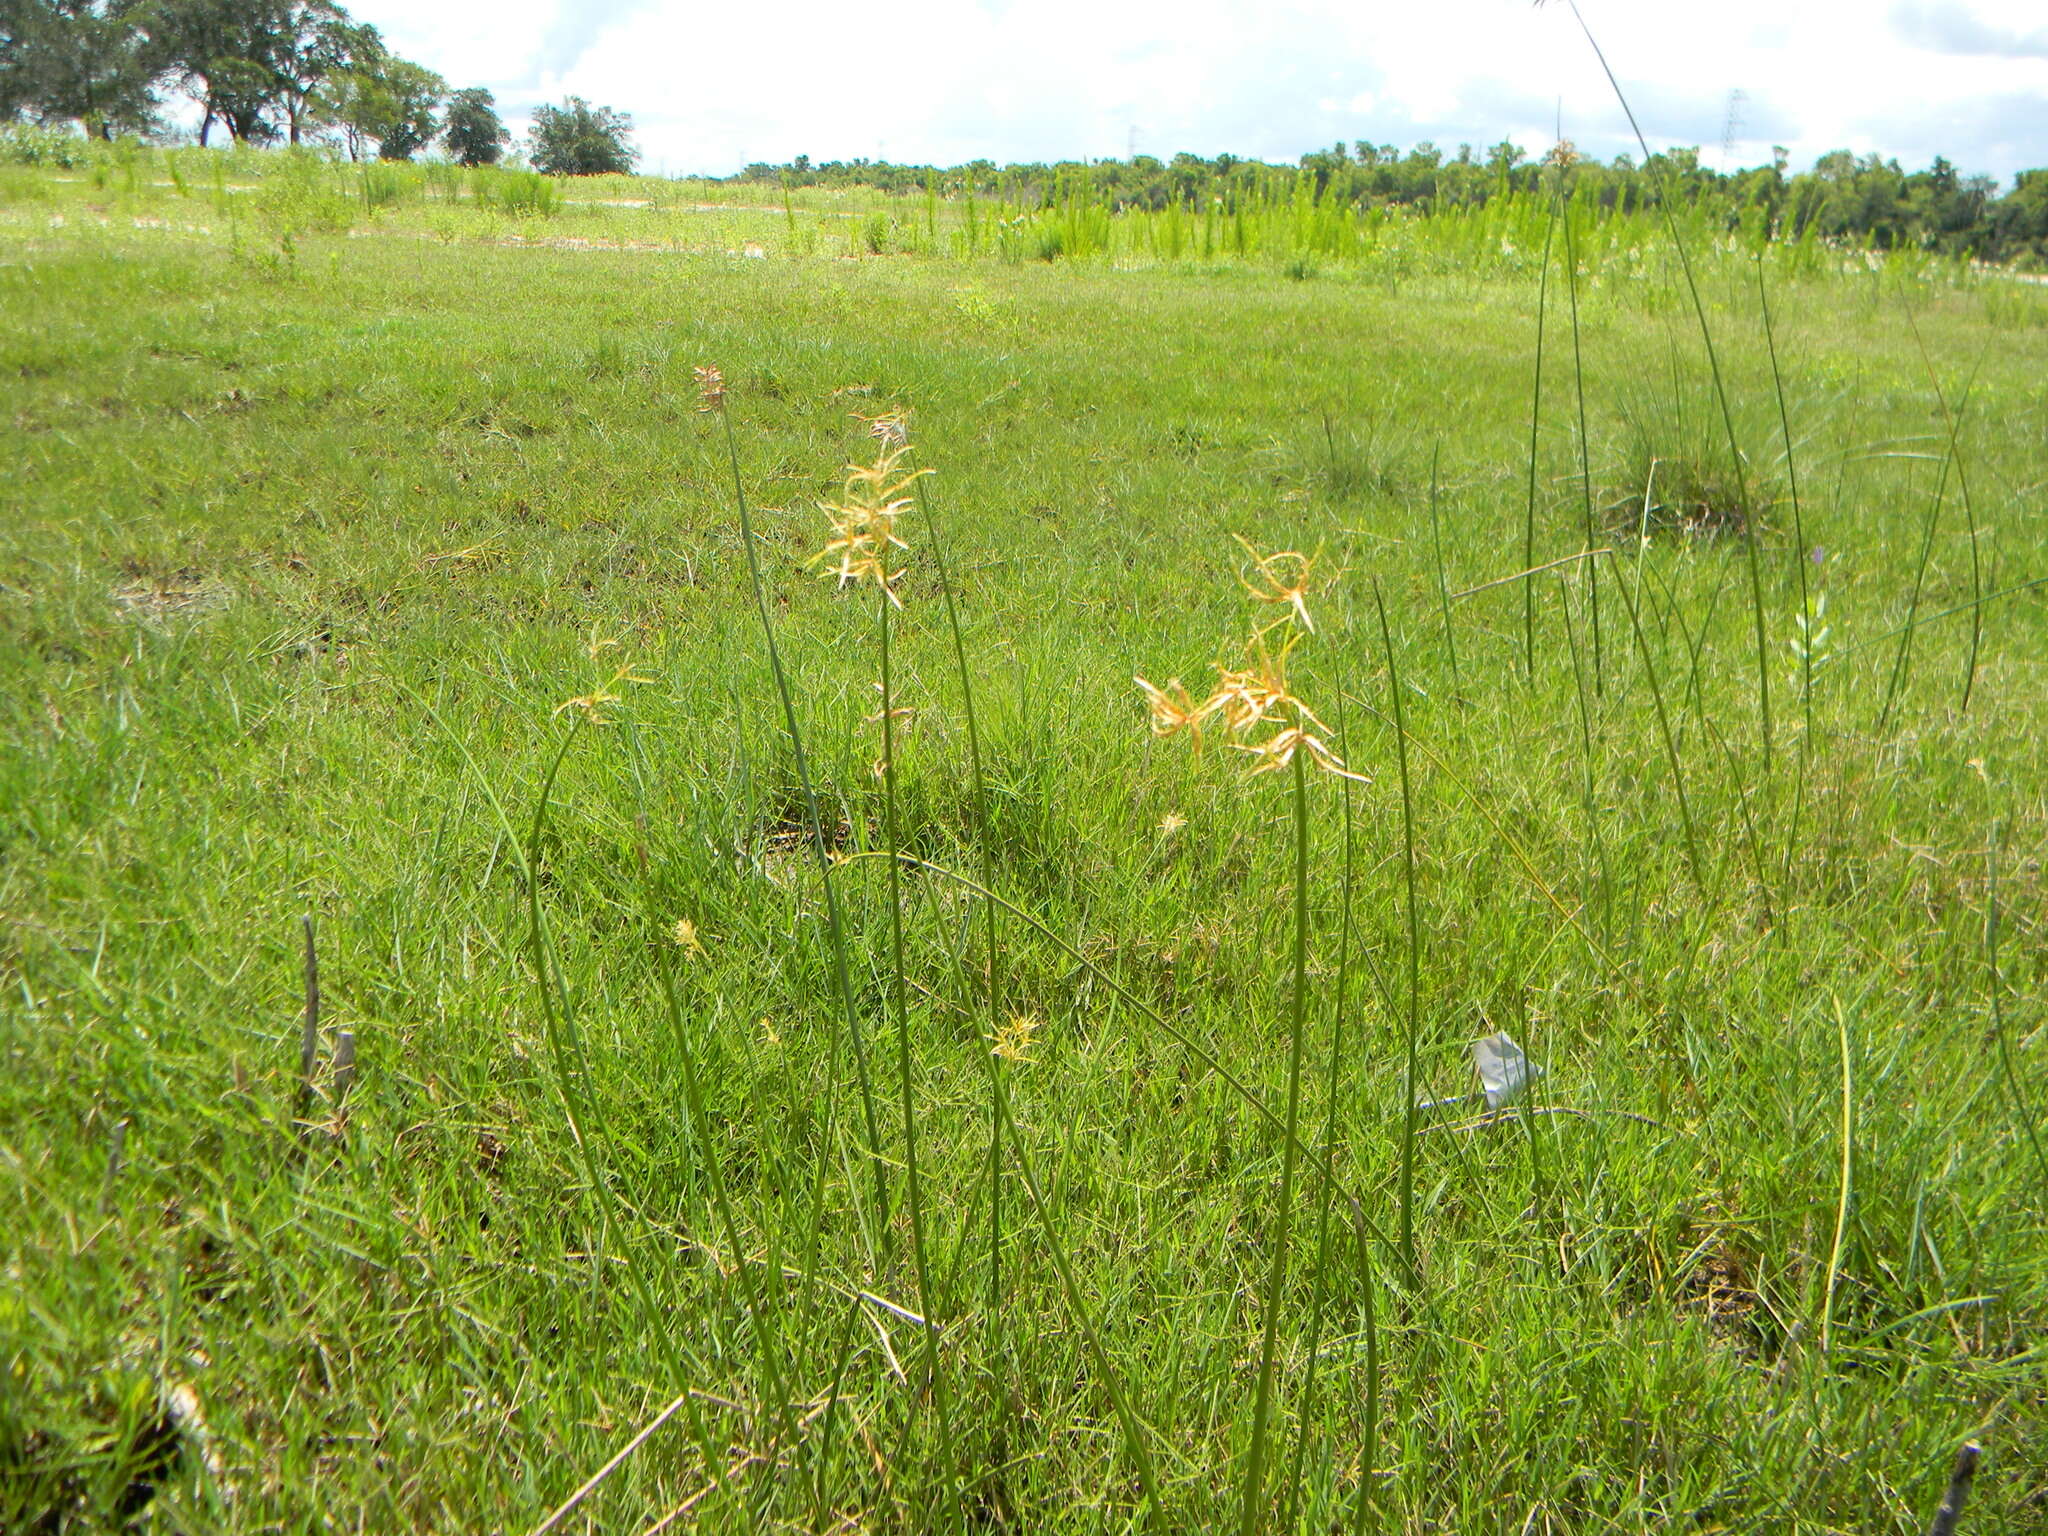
522	194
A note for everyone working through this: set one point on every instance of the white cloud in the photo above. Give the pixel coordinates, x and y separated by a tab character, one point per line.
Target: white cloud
713	87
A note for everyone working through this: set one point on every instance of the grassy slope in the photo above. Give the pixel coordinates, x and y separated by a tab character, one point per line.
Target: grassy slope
298	566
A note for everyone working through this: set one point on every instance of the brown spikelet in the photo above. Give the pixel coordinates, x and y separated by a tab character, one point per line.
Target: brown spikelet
710	388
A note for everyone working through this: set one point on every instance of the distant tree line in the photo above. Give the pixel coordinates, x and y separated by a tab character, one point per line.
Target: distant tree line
266	72
1863	200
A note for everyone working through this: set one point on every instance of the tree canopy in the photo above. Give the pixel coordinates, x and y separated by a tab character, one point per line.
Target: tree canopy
1856	199
264	70
474	135
577	139
300	70
79	61
383	99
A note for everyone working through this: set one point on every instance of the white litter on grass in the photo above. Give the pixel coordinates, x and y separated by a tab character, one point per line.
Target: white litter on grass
1505	1073
1505	1070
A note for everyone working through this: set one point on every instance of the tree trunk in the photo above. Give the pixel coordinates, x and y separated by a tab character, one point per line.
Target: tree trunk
205	128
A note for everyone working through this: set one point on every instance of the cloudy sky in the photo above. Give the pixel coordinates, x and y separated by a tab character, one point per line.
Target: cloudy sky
713	86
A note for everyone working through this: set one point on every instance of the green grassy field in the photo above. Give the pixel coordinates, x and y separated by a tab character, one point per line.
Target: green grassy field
309	529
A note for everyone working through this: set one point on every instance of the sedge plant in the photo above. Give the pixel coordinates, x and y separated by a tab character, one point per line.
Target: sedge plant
863	549
1257	706
712	400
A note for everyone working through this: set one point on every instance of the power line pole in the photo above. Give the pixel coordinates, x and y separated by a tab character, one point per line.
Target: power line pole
1731	128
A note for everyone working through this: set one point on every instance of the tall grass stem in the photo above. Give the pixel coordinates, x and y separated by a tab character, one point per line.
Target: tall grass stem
1253	1515
1411	1073
835	919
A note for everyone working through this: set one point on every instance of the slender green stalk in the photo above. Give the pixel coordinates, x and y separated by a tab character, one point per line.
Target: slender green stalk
997	1320
547	981
1571	273
1827	1314
1507	839
1333	1093
821	1500
1763	297
928	1300
543	967
1443	591
1253	1515
1535	423
1207	1058
1902	662
1589	792
759	1300
1411	1073
1756	847
761	1311
1692	842
835	921
1134	1428
1924	620
977	789
558	1019
2022	1111
1806	621
1951	420
1752	534
1369	1442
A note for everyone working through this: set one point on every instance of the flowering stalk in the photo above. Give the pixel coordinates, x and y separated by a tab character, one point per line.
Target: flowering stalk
1276	1274
1409	1076
864	537
1257	706
1256	696
711	400
1009	1041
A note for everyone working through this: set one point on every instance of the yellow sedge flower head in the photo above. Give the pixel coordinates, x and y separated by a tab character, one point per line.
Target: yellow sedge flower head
1012	1040
1172	710
864	522
592	705
710	388
891	428
1285	575
1255	697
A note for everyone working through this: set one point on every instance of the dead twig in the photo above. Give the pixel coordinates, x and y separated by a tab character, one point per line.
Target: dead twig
1499	1116
309	1031
591	1483
1951	1510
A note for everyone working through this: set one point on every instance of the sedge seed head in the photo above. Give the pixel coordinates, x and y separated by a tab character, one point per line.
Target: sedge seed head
1012	1039
605	691
710	388
864	519
1172	710
890	428
1254	700
1284	578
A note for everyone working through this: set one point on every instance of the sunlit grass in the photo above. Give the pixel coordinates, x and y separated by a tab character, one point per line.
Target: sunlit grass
305	553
